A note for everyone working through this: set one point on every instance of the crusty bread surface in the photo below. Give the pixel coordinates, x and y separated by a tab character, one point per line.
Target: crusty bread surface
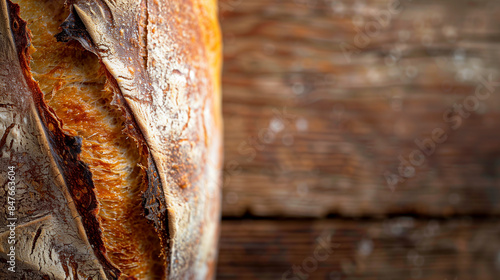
76	87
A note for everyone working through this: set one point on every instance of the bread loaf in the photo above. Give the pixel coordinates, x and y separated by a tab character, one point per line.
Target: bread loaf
110	127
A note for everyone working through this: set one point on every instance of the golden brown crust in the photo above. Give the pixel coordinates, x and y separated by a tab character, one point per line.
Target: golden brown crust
163	65
173	96
53	237
85	98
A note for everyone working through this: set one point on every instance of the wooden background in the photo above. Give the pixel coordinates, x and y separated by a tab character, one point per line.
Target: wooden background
321	100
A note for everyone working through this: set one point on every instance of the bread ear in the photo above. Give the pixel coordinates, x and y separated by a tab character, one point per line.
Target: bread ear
163	58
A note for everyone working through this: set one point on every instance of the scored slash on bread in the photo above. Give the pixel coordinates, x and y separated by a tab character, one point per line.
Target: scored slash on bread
116	133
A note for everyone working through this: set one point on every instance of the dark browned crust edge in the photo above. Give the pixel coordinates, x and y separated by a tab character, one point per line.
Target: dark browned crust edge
64	149
153	199
155	206
74	29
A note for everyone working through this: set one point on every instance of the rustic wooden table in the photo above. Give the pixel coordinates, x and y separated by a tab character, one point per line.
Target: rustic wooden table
361	139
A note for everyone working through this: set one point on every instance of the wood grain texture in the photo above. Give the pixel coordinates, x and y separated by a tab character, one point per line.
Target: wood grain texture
394	249
316	114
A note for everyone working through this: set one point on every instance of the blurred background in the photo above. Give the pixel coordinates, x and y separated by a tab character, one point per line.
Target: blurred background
362	139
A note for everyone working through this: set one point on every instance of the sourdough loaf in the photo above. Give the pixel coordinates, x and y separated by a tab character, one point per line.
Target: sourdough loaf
110	116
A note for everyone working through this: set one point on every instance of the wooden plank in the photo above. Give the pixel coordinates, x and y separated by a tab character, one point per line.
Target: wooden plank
394	249
312	130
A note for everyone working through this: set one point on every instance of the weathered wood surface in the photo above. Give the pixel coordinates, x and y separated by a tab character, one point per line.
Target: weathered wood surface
394	249
311	130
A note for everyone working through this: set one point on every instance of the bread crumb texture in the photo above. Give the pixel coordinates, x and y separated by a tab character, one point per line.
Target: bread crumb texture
75	86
